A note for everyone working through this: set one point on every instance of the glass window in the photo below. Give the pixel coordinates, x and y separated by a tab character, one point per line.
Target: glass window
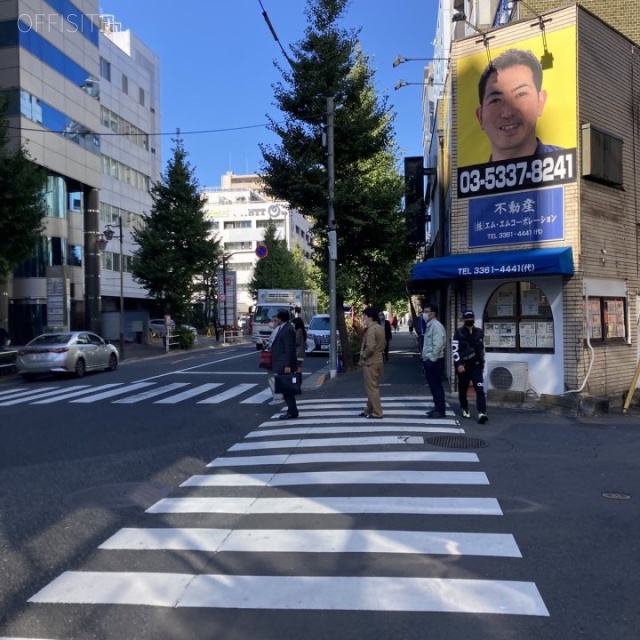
518	319
230	246
238	224
105	69
56	197
75	255
125	84
141	96
607	319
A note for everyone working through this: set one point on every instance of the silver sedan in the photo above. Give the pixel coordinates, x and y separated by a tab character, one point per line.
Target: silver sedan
72	352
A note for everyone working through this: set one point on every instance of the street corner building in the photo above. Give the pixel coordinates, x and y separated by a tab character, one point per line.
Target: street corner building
532	195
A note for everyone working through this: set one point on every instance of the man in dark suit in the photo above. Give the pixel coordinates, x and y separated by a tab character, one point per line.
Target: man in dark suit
283	357
386	325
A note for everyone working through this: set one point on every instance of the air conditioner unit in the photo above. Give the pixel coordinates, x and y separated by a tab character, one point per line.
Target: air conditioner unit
507	376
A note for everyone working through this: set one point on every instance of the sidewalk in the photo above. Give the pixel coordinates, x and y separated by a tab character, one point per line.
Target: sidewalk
403	376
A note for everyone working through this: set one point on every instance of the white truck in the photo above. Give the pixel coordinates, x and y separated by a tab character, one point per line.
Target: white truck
301	302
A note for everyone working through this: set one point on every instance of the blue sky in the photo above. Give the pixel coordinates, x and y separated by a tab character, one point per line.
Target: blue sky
217	68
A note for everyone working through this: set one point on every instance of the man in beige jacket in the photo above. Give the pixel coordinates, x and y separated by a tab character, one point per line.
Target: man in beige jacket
371	360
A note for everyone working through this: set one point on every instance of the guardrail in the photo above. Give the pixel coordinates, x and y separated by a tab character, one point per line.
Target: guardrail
232	335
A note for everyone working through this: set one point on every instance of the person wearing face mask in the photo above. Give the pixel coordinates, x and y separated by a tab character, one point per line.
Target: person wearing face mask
433	346
373	345
468	360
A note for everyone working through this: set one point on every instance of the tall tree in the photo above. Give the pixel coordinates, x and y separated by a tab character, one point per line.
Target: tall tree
22	203
176	246
373	255
279	269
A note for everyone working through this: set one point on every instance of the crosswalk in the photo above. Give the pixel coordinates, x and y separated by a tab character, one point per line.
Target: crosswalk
313	514
139	392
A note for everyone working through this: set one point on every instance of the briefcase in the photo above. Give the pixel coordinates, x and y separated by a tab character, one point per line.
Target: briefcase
288	384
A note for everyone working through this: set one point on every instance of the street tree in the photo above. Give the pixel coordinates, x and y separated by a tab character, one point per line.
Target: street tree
176	248
373	254
22	201
279	269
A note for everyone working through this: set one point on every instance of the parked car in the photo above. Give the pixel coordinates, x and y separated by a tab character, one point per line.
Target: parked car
70	352
318	334
159	325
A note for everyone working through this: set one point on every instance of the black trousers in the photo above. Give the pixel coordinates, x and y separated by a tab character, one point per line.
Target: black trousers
472	374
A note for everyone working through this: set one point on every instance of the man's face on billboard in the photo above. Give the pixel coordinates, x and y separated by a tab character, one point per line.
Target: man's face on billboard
509	112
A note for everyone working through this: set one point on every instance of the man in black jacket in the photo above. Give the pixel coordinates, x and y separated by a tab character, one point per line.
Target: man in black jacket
468	360
283	357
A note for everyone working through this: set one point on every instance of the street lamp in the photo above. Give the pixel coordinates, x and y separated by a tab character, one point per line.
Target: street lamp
401	60
107	235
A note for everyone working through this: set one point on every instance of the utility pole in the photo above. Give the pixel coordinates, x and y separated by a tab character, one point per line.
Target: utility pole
333	245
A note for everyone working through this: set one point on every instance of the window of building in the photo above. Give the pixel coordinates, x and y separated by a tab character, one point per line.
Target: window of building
74	259
125	84
141	96
607	318
105	69
518	319
49	252
237	224
230	246
263	224
56	197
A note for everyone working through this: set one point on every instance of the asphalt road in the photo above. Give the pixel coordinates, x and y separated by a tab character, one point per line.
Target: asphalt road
527	532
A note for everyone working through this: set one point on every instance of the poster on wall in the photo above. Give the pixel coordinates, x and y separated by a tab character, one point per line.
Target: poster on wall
517	136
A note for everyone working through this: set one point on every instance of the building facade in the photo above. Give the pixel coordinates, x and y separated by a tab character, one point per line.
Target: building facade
542	247
240	212
84	98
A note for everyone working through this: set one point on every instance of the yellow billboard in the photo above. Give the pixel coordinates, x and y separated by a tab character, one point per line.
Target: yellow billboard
517	114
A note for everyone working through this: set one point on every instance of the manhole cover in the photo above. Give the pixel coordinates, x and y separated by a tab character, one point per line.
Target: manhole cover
118	496
616	495
457	442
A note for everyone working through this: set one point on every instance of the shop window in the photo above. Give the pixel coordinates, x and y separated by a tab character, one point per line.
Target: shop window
607	320
518	319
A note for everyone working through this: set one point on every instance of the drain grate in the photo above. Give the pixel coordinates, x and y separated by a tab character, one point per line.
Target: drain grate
457	442
119	496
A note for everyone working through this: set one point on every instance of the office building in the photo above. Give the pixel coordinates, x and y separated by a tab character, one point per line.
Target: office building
84	99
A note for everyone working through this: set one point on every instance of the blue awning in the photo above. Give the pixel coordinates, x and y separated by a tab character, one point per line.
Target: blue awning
519	264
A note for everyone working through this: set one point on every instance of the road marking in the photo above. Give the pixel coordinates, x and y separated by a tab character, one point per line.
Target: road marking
327	505
350	429
113	392
228	394
309	443
354	422
500	545
190	393
381	477
14	393
40	394
322	411
354	457
74	394
295	593
152	393
258	398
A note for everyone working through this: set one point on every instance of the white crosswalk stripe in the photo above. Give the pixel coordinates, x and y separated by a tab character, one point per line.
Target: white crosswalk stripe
297	509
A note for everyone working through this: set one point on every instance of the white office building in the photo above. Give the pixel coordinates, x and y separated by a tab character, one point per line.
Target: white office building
241	211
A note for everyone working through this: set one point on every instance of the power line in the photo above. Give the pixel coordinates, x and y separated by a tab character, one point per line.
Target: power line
172	133
275	35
